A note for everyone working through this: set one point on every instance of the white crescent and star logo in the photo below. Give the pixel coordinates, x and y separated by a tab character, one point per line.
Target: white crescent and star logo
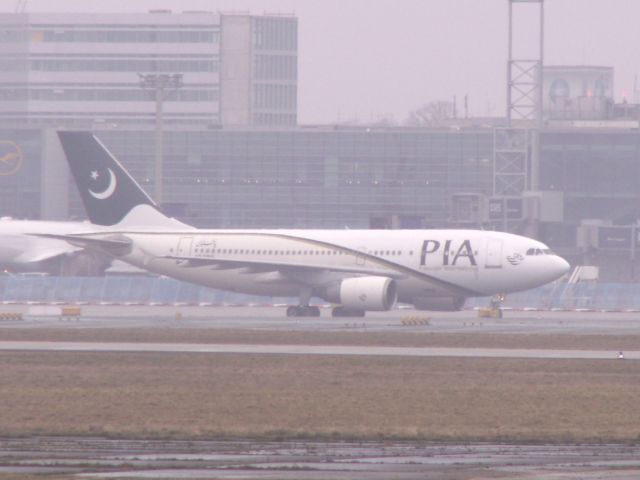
107	192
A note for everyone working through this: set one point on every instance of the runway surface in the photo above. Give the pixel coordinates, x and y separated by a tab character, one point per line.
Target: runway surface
314	350
300	460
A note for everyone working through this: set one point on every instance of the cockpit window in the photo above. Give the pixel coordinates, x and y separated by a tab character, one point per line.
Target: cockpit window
539	251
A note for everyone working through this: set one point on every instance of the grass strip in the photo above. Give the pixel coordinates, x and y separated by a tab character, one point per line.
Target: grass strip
276	397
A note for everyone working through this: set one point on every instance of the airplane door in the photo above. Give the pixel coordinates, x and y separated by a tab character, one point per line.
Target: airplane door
493	258
360	256
184	247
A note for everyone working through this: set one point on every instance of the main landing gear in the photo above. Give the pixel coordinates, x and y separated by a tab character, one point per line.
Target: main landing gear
303	311
497	301
306	310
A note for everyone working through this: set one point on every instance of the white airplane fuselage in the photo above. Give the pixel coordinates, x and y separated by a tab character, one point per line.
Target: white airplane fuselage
477	262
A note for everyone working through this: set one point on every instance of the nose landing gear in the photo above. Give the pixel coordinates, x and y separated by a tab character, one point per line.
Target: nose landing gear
498	300
495	307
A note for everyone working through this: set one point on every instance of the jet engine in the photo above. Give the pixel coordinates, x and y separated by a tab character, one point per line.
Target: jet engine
439	304
364	293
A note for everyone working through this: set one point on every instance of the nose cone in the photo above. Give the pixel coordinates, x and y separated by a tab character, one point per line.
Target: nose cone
560	267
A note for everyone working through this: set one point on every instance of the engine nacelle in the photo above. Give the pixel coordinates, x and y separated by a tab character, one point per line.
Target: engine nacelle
439	304
364	293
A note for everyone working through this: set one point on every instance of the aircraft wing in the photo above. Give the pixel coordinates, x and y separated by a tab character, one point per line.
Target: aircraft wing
301	271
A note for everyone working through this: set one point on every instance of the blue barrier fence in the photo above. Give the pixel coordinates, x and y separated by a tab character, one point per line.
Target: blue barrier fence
115	290
165	291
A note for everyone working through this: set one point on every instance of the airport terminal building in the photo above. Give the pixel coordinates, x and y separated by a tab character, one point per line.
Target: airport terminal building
234	156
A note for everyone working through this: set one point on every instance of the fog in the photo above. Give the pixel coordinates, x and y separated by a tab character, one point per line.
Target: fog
371	60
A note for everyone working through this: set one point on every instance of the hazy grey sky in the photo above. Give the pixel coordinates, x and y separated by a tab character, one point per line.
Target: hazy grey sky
369	59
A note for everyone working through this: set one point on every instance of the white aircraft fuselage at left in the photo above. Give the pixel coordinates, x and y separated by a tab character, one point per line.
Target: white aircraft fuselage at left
358	269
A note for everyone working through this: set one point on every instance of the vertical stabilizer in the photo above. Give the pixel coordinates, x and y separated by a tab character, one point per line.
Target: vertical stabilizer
109	194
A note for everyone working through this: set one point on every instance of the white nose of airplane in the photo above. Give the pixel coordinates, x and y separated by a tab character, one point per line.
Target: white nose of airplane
560	267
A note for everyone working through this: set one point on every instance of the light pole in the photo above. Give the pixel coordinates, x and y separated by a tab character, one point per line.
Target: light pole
160	85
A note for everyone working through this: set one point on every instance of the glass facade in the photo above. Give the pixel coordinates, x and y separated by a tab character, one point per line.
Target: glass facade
309	178
120	63
342	177
275	33
598	171
275	71
89	94
114	34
